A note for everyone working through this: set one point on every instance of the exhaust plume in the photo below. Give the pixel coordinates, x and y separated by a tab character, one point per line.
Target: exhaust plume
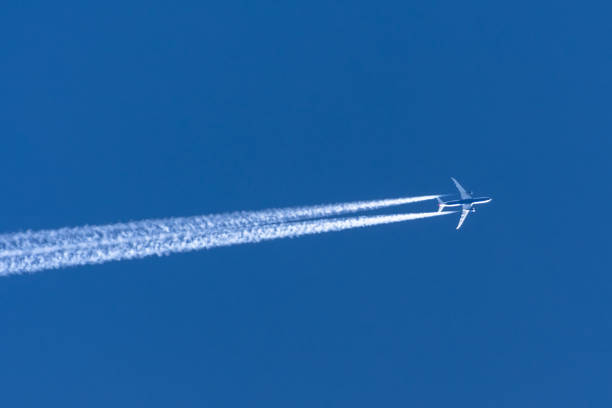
27	252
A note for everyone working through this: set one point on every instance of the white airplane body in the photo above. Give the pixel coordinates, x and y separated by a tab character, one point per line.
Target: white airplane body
467	203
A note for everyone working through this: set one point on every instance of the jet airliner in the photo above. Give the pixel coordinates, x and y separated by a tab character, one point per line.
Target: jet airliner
467	202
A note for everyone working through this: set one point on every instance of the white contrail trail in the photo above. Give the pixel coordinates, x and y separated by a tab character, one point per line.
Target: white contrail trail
49	240
185	239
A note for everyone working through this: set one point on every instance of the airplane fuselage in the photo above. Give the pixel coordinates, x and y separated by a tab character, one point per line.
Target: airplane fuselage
467	201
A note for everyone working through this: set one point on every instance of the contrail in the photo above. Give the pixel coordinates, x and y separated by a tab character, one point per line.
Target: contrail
189	237
49	240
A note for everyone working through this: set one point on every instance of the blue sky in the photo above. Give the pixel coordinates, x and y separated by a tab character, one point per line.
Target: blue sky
130	110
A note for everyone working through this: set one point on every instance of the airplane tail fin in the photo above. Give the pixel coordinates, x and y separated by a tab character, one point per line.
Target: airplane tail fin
440	204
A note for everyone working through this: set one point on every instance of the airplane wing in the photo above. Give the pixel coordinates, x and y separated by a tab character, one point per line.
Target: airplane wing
464	213
464	194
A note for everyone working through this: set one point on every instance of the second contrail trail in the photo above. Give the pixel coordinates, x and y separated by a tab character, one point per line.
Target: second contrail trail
181	240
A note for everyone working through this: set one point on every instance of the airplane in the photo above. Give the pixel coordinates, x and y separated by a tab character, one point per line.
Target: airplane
467	202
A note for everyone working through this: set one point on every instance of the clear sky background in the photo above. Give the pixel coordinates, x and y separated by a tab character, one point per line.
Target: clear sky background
124	110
